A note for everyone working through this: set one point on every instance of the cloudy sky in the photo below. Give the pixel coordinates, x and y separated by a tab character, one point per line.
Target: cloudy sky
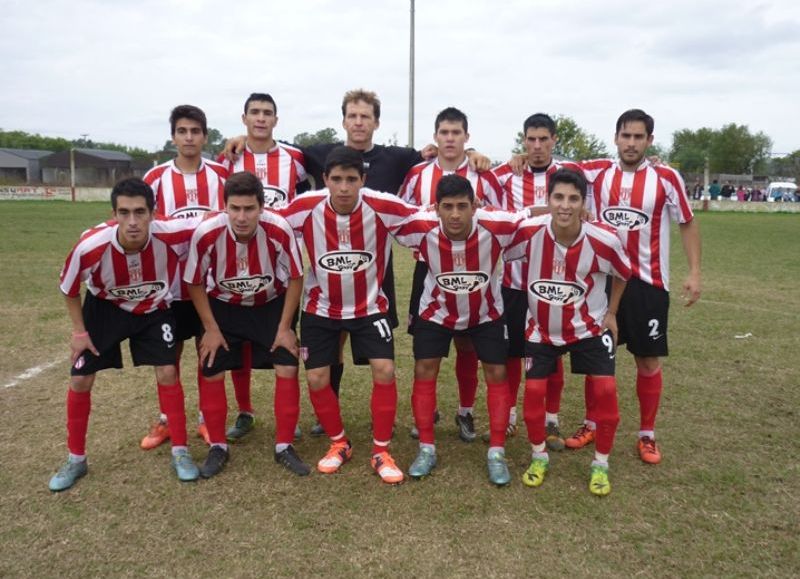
113	70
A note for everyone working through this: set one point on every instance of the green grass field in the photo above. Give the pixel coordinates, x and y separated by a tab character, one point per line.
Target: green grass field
722	503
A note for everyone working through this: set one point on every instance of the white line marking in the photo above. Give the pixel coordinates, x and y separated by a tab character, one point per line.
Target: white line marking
32	372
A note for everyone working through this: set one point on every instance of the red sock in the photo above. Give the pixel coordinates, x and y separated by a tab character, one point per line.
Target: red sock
79	405
423	403
384	408
514	374
497	403
606	411
588	397
214	406
555	385
533	408
467	377
241	379
171	400
648	388
326	407
287	408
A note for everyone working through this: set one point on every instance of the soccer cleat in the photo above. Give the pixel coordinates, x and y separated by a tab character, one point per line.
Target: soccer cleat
68	475
202	432
414	433
185	467
244	424
317	430
511	430
598	483
498	469
423	464
288	459
158	435
534	476
583	436
215	462
648	450
298	434
384	465
466	427
553	439
338	454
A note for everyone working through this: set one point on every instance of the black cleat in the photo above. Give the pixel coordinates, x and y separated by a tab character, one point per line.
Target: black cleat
215	462
466	427
288	459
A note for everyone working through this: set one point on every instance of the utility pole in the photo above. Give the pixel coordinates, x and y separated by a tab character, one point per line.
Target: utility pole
411	82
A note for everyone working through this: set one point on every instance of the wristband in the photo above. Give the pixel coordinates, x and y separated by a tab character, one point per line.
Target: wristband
83	334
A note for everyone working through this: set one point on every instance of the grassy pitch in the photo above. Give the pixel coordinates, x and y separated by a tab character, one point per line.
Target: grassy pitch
721	504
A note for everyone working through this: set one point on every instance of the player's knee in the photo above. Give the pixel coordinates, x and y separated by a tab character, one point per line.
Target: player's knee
318	378
286	371
166	375
81	383
426	369
494	373
648	365
382	371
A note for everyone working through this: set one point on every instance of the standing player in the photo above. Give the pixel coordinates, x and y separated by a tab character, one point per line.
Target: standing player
130	268
451	133
461	299
640	199
187	186
245	279
346	230
568	261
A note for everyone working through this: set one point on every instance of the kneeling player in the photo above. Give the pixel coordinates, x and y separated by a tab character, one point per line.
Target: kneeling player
245	279
568	311
129	267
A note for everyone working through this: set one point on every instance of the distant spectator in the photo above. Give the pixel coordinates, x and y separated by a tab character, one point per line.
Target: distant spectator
740	193
697	190
727	190
756	194
714	190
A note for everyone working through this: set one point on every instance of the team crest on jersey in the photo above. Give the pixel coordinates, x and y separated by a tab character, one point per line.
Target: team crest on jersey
459	259
345	261
557	293
625	218
247	286
344	236
625	194
559	266
140	291
191	195
462	282
540	195
275	196
189	212
135	272
242	265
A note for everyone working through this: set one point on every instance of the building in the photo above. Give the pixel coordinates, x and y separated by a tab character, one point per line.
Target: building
18	166
93	167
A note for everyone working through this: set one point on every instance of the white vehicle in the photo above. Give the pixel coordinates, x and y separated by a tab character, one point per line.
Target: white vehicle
781	191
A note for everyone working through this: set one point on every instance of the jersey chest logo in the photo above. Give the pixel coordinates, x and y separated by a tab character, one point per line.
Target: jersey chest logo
247	286
345	261
625	218
275	197
462	282
557	293
140	291
189	212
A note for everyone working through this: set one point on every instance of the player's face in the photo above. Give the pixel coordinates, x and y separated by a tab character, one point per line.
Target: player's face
566	206
632	141
243	212
344	185
451	138
539	145
134	220
188	138
260	119
360	123
455	215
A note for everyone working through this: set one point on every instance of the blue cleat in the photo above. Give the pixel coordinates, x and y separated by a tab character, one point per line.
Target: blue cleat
185	467
68	475
498	469
423	464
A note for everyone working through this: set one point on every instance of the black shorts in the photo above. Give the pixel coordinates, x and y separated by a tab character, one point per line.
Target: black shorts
593	356
370	338
255	324
151	337
489	339
642	319
417	286
515	308
388	290
187	322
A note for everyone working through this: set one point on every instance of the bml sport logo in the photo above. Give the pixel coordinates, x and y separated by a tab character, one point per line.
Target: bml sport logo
625	218
275	197
247	286
345	261
140	291
557	293
462	282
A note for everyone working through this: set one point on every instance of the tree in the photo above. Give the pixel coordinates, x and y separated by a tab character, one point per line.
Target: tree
731	149
573	142
322	136
215	142
786	167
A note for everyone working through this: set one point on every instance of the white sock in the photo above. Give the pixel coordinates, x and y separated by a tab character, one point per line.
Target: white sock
590	424
648	433
200	419
221	445
512	415
431	447
281	446
76	457
464	410
162	418
496	449
176	450
539	449
551	418
600	459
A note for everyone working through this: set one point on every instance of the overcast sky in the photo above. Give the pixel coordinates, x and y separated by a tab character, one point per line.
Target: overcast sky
115	69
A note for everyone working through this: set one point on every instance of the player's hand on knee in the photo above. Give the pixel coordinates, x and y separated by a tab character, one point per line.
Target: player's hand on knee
79	342
211	341
286	339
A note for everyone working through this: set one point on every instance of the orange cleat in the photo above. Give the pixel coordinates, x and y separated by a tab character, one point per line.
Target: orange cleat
648	450
583	436
158	435
383	464
202	432
338	454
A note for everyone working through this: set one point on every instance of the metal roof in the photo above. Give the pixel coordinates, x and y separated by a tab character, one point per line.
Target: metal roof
27	153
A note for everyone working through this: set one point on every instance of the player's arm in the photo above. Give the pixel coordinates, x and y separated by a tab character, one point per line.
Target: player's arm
212	338
690	236
80	339
610	319
285	336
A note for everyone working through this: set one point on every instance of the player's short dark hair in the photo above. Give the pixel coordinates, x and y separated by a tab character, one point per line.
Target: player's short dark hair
260	96
246	184
454	186
453	115
359	94
190	112
539	121
569	177
633	115
346	158
133	187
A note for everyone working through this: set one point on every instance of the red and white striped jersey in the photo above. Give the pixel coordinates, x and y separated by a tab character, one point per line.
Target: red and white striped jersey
566	285
640	205
280	170
246	274
180	194
347	253
419	186
140	282
461	288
